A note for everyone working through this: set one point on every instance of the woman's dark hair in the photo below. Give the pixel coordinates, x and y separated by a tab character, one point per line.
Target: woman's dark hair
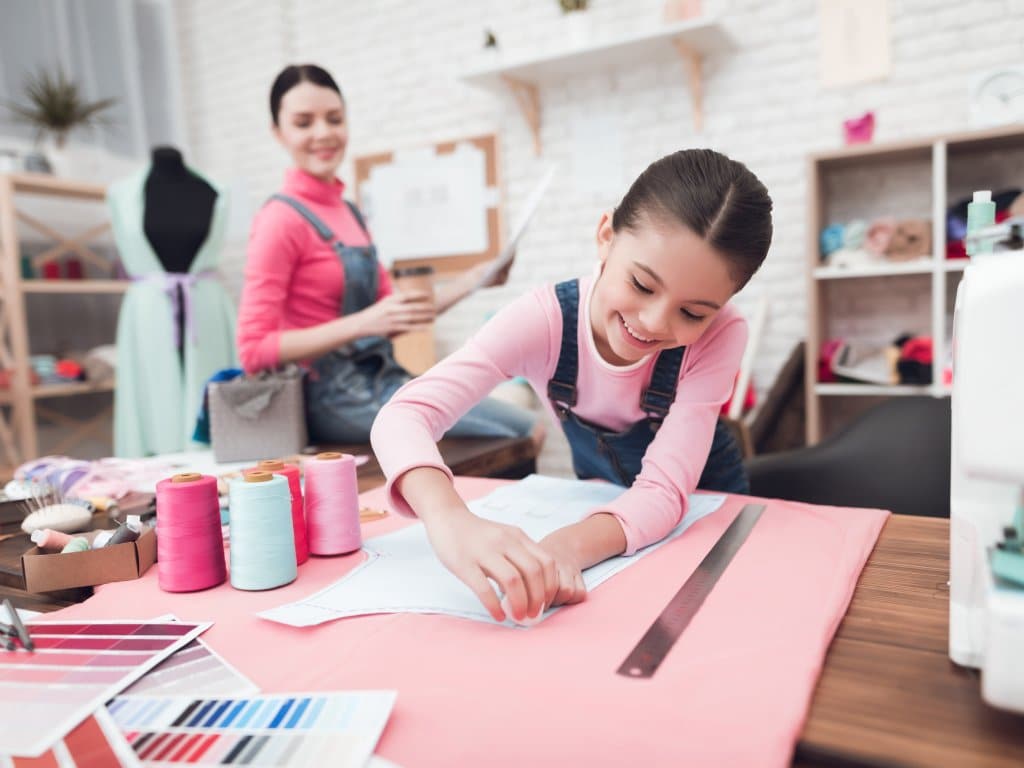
294	74
717	198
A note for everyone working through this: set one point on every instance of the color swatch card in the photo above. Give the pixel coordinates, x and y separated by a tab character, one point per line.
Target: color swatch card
74	669
402	574
300	729
96	742
195	670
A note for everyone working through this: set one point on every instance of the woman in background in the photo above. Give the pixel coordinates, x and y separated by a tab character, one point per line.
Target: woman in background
315	292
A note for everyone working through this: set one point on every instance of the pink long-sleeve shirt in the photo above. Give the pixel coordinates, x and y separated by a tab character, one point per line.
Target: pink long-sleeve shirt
293	278
524	339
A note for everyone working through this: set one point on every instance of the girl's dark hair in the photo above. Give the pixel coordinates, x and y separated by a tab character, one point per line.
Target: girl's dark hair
294	74
717	198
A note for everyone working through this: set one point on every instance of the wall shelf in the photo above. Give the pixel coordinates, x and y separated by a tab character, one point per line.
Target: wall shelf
18	436
874	390
917	267
75	286
937	166
524	75
63	389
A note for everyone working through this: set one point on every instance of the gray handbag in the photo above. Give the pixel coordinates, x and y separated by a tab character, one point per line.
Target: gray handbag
258	417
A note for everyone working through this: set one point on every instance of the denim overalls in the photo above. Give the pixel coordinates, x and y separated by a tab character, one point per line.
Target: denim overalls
617	456
347	387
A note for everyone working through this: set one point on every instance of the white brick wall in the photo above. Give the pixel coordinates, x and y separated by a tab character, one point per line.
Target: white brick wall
398	62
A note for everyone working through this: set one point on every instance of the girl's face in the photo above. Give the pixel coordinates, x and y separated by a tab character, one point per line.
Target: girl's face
311	125
660	287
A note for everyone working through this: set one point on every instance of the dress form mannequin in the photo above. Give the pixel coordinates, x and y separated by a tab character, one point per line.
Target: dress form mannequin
178	212
176	328
179	208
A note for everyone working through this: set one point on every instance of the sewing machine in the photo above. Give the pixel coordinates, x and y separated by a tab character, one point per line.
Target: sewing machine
986	608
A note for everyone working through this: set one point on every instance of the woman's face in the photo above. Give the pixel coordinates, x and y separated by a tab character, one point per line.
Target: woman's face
660	287
311	126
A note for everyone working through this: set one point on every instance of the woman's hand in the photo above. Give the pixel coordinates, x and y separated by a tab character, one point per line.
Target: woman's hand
397	313
476	274
478	550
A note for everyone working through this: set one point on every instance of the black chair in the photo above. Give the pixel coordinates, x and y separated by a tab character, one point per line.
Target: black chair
894	456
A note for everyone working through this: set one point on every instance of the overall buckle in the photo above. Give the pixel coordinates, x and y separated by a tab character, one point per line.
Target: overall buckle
562	397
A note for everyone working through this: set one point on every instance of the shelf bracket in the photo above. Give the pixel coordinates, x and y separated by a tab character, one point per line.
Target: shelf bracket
528	99
694	68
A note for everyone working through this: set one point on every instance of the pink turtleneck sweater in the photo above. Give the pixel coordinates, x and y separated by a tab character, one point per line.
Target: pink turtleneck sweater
294	279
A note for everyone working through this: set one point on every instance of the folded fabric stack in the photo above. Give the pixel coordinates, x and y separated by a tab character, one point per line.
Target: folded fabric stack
859	243
907	360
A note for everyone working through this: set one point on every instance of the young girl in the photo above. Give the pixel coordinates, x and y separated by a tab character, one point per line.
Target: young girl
634	363
314	291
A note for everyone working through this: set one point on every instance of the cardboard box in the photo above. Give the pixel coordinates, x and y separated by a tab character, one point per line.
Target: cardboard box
121	562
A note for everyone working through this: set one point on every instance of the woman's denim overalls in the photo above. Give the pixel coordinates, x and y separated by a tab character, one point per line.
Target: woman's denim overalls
617	456
347	387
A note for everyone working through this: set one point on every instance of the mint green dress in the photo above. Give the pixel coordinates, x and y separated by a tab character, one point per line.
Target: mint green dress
158	394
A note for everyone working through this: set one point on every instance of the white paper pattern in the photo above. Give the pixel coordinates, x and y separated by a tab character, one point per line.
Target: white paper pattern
403	575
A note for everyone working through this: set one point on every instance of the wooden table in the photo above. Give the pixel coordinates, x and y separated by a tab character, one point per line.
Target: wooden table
889	695
502	457
509	458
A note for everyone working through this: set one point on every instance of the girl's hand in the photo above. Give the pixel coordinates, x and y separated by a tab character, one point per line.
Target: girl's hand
571	588
476	550
397	313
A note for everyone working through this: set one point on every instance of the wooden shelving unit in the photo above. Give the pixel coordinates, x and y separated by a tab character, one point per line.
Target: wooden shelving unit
18	439
948	168
687	41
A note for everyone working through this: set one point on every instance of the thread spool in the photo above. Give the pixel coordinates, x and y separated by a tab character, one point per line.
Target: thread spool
291	472
77	544
262	542
332	504
189	543
49	539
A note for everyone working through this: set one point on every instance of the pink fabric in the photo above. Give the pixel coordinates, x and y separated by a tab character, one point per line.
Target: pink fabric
293	278
734	691
523	340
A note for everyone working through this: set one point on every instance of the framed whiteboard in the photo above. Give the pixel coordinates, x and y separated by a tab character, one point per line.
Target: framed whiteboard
438	205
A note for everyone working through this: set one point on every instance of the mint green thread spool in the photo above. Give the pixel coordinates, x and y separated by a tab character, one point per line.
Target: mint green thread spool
981	213
262	540
77	544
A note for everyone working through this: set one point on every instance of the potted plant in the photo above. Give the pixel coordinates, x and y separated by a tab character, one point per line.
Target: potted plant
577	23
55	108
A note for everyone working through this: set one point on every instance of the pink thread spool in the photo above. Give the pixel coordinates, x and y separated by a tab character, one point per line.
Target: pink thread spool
50	540
291	472
189	542
332	504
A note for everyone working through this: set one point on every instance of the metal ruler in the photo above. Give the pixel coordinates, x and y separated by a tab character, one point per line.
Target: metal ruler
646	657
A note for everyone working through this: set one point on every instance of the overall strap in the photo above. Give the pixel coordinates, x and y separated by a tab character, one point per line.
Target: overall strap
322	229
562	386
359	218
661	392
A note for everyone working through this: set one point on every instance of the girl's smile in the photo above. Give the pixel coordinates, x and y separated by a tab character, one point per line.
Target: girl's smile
660	286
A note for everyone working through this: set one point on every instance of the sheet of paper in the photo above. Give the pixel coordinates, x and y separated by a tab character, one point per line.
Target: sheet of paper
196	670
96	741
339	729
598	151
403	575
508	252
75	667
853	41
425	204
